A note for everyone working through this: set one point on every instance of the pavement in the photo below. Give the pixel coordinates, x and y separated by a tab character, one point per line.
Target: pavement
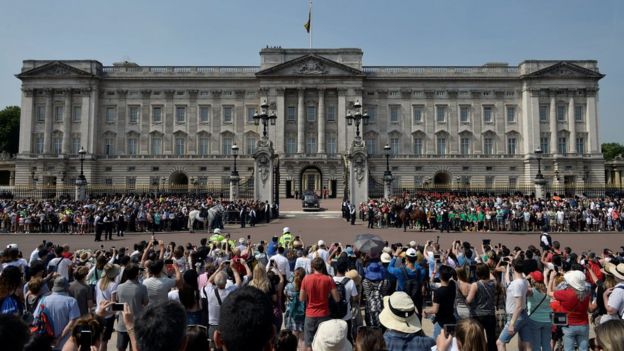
328	225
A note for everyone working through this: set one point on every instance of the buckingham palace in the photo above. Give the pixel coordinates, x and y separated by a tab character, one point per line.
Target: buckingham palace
175	126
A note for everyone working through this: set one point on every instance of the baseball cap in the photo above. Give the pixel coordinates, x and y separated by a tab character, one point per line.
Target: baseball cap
410	252
286	230
321	243
12	246
537	276
385	257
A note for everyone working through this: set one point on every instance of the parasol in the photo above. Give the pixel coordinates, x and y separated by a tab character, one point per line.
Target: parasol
370	244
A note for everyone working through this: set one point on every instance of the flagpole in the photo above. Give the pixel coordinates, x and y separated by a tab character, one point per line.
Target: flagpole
310	9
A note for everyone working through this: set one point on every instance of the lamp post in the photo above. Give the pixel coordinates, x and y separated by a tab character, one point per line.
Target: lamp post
539	177
32	176
357	116
265	116
81	182
387	174
457	181
234	178
163	181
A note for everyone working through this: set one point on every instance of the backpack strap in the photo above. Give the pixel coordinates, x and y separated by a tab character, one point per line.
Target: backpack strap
216	292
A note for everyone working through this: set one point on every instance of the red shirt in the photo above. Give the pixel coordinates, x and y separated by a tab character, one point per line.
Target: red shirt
317	287
577	310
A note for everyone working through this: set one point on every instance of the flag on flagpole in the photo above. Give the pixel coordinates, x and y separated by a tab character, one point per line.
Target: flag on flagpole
309	22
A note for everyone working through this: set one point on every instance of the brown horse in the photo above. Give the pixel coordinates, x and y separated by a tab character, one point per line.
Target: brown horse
416	216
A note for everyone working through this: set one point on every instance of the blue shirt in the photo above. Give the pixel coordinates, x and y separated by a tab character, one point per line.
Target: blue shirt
397	341
272	248
399	274
61	309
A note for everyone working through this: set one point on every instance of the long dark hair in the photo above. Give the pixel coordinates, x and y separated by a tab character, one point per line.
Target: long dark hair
189	293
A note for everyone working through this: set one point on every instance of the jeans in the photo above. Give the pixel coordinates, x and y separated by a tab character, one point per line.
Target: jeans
520	328
575	335
437	329
541	334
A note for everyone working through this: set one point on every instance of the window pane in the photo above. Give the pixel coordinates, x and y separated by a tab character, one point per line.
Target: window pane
511	146
440	113
204	145
372	114
330	148
40	113
511	114
291	144
331	113
58	113
292	113
563	145
465	146
418	146
487	114
417	114
580	145
311	113
463	114
134	114
488	146
311	145
156	146
395	146
76	112
561	113
204	114
227	114
251	144
394	114
110	114
441	146
157	114
132	146
179	146
543	113
180	114
578	113
544	143
227	146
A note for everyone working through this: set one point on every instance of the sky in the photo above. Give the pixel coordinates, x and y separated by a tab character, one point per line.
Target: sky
390	32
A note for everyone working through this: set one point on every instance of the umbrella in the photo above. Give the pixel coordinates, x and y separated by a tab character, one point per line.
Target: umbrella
370	244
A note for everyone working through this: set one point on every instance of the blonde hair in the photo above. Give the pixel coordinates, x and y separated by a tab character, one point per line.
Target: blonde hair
260	278
470	334
609	335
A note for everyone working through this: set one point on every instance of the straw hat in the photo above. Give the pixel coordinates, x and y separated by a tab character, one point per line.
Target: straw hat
618	271
399	313
576	279
331	335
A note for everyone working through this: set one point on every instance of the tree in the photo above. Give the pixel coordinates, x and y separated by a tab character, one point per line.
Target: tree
610	150
9	129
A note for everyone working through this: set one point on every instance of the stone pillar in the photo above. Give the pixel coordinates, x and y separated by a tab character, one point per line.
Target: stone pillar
341	139
300	123
234	187
281	121
168	122
86	117
12	178
47	134
145	121
81	190
572	124
321	123
387	179
539	188
592	123
263	170
67	122
358	173
553	124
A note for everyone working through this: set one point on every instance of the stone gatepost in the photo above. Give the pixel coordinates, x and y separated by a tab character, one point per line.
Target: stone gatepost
263	171
234	187
358	172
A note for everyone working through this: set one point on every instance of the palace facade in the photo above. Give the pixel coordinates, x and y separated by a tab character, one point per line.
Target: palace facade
163	126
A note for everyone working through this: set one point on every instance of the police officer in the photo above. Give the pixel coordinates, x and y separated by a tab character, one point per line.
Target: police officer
286	239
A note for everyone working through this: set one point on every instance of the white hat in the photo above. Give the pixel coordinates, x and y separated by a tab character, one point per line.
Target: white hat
331	335
216	231
576	279
412	243
410	252
242	241
286	230
12	246
387	250
385	257
321	243
399	313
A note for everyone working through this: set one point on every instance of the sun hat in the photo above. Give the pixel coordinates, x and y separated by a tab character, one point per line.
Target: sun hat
354	275
618	271
331	335
412	243
321	243
385	257
399	313
537	276
410	252
607	268
373	272
576	279
84	256
12	246
387	250
111	270
216	231
60	285
286	230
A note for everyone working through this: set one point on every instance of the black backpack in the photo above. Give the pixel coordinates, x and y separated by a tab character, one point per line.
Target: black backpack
338	310
412	286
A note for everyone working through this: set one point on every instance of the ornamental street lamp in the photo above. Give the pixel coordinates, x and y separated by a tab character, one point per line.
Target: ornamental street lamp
356	116
81	182
539	177
33	177
538	153
265	116
235	154
387	150
82	153
387	174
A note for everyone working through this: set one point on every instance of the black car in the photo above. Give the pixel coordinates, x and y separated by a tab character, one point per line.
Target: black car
310	200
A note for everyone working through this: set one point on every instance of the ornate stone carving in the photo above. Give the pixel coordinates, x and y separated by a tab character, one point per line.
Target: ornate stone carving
312	66
216	93
169	93
263	168
122	92
28	92
358	168
146	93
193	93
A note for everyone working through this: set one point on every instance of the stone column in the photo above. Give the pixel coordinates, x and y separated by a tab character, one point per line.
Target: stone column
280	123
592	123
120	125
192	120
341	140
144	122
234	187
572	124
27	120
47	134
67	122
321	122
387	179
12	178
85	117
300	123
168	122
539	188
553	123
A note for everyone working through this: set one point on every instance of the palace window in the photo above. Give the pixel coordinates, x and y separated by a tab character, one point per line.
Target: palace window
488	146
58	113
251	111
180	145
132	146
76	112
204	145
156	114
109	143
75	144
395	114
544	112
418	146
111	113
562	145
464	114
580	145
488	114
464	146
441	145
180	114
372	113
331	112
511	114
40	113
310	144
545	143
395	145
561	113
330	141
311	113
291	113
417	114
250	144
38	143
133	112
511	145
291	144
156	145
579	111
204	114
440	113
228	114
226	145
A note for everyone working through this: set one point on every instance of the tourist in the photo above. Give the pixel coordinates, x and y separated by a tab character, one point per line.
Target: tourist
404	331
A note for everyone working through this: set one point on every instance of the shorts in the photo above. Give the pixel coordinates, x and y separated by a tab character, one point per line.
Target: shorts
522	328
309	328
107	331
123	339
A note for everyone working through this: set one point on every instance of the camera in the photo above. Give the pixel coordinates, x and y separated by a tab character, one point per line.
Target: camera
86	339
559	319
449	329
118	307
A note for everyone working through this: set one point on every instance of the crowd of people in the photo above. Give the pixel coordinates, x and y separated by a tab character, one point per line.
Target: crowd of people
116	215
454	212
285	294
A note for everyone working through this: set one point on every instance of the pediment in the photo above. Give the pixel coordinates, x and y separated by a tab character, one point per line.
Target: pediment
564	70
310	65
55	69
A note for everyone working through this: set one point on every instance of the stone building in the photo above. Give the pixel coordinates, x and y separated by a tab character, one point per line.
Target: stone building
164	126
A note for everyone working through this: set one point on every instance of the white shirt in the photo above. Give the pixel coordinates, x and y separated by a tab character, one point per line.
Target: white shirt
350	291
517	288
305	263
34	256
62	266
214	307
282	265
104	295
322	253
